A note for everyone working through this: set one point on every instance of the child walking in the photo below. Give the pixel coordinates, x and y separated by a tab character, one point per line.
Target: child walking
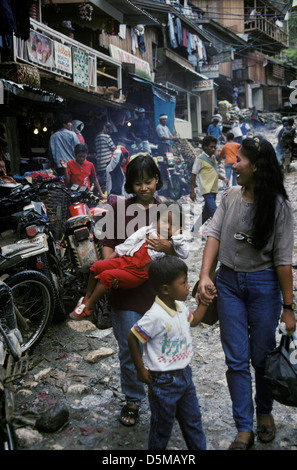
126	268
164	330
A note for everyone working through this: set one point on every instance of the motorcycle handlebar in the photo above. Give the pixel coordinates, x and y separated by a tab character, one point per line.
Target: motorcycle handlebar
29	192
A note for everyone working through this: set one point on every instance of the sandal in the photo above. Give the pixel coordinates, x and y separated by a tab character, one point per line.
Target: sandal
237	444
266	432
82	300
80	312
128	413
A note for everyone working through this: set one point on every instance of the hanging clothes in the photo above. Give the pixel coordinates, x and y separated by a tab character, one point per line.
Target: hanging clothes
141	44
179	31
185	38
171	31
199	48
134	40
122	31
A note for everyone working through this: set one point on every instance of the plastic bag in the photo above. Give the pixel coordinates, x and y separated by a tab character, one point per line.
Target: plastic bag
281	371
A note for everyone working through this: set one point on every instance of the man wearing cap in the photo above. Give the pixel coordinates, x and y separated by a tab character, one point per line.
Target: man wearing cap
141	131
164	135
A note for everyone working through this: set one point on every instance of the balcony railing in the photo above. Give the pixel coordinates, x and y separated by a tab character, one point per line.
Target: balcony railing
68	58
262	25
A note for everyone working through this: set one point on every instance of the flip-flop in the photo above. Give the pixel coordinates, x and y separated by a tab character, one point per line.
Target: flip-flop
128	413
80	312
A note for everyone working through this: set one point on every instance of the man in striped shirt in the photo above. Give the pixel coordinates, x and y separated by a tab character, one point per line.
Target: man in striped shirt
104	148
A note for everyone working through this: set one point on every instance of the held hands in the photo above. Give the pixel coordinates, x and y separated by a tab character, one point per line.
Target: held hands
206	291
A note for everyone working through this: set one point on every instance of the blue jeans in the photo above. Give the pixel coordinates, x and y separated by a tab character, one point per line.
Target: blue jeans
209	206
249	307
132	388
173	395
228	172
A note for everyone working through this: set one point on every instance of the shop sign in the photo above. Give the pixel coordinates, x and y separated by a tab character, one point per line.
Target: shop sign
211	71
256	84
40	49
63	57
80	67
237	64
202	85
142	68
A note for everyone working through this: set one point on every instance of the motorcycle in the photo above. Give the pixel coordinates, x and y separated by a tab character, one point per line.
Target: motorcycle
78	247
13	365
33	294
26	223
173	180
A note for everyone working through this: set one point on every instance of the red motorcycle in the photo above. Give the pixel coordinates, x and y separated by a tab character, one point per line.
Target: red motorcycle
79	246
79	239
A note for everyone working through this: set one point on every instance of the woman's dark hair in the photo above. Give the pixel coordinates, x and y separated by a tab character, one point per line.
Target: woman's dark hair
166	270
269	185
138	167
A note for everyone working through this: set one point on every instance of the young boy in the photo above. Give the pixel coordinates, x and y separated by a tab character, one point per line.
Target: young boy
165	332
80	171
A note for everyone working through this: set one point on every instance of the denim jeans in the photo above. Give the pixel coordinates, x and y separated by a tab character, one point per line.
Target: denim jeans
249	307
132	388
173	395
228	172
209	206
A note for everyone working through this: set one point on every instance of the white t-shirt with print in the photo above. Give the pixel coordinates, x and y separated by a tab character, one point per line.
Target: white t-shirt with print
166	336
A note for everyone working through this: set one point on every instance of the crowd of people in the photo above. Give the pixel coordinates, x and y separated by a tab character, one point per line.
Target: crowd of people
250	239
68	151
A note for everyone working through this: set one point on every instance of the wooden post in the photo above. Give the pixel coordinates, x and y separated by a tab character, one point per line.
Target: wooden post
13	143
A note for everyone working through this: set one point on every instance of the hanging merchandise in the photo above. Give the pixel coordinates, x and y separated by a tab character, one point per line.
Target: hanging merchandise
85	11
112	27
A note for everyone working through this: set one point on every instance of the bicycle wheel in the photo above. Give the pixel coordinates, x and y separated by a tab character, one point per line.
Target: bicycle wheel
34	301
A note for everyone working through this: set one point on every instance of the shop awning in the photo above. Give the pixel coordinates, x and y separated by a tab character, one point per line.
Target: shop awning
27	92
71	92
181	63
159	90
